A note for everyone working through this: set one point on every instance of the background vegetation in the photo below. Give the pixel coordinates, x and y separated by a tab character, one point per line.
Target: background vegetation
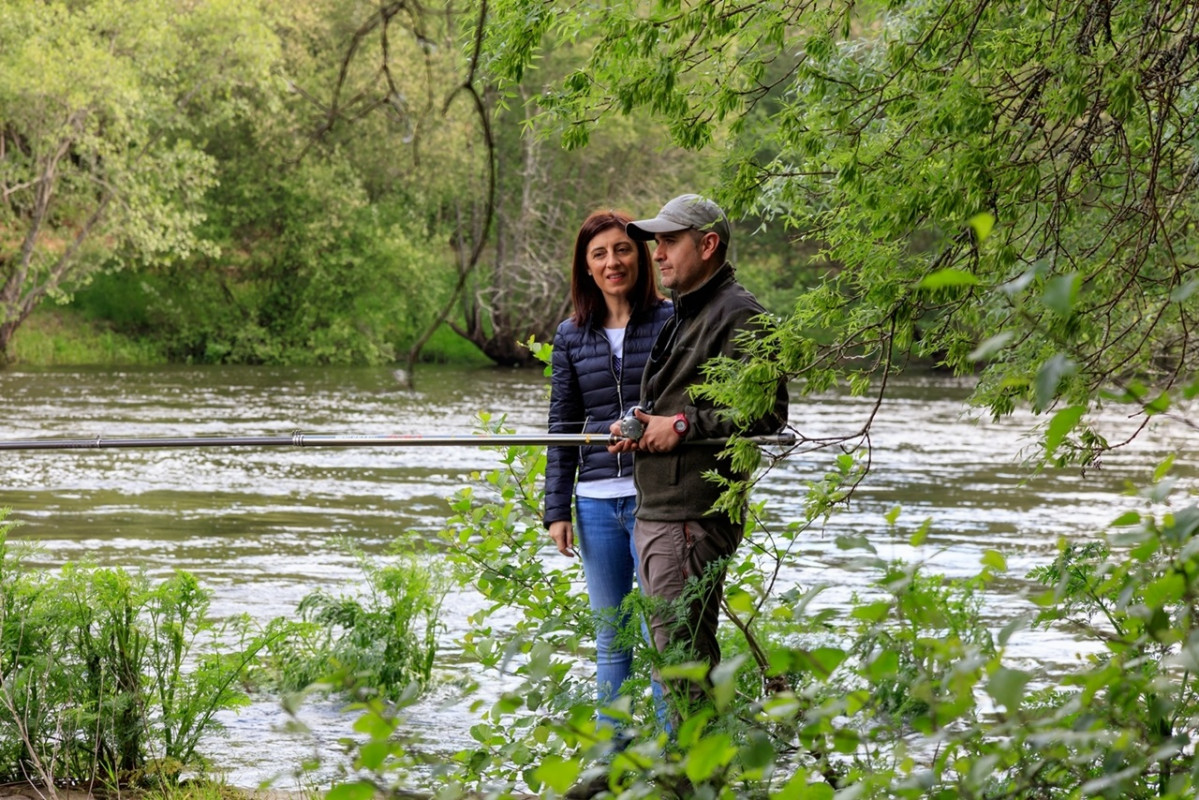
1006	189
343	182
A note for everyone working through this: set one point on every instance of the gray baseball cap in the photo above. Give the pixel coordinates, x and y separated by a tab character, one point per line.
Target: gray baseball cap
683	212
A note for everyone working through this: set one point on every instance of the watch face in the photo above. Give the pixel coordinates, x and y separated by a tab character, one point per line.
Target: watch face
680	425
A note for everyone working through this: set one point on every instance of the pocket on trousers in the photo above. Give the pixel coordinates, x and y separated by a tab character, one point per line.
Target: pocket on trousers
707	542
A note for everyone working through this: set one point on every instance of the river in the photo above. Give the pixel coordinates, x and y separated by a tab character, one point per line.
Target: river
260	526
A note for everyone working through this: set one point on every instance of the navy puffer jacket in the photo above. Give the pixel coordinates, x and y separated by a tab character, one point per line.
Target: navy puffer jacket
586	396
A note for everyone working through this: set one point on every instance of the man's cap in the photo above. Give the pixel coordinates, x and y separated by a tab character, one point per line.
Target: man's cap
683	212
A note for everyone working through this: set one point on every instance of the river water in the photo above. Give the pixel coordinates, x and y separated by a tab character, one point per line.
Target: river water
260	527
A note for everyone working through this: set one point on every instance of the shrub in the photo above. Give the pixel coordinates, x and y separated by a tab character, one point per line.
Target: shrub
105	676
385	638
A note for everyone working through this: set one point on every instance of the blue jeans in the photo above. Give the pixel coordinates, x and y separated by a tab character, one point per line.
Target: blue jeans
610	567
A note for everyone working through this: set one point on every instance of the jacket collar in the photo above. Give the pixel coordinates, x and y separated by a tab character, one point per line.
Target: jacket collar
637	313
690	303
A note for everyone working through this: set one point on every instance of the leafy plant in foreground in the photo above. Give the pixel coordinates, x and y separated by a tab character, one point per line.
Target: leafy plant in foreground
107	677
909	692
386	637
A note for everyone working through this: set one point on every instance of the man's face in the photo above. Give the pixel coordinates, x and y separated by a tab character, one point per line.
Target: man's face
681	258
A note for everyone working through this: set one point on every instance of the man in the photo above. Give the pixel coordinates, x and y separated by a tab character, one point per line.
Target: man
676	533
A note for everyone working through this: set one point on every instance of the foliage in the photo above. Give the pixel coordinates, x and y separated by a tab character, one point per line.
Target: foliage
908	692
329	278
396	93
98	164
384	638
349	188
106	677
1000	187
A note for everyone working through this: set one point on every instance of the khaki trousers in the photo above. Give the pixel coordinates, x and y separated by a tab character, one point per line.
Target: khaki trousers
686	557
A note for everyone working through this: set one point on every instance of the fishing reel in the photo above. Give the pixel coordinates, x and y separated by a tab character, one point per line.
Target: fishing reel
630	426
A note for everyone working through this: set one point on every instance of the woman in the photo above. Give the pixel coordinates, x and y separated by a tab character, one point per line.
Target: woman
599	354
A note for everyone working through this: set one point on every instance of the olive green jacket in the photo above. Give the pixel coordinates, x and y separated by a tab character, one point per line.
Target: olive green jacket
671	486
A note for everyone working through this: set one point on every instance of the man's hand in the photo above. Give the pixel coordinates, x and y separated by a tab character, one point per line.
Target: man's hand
659	435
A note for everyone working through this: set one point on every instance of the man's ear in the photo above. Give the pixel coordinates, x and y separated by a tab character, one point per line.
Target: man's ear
708	245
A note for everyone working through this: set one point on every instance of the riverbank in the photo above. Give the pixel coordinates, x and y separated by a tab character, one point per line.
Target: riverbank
67	337
62	337
27	791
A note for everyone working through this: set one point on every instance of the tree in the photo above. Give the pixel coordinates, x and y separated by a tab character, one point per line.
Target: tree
523	290
1008	188
97	160
509	205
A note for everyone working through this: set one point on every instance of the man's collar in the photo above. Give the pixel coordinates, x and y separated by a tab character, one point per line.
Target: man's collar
700	295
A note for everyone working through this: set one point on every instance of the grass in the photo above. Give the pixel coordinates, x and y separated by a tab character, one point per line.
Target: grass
191	790
447	347
62	337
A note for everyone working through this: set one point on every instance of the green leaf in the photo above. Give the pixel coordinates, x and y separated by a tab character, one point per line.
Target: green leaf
708	755
358	790
695	671
1007	687
1163	468
982	224
781	707
885	665
892	515
802	786
1049	378
1045	599
557	773
724	681
991	346
918	538
1184	290
825	660
757	753
1012	626
1158	405
854	541
995	560
1062	423
1166	590
872	612
741	602
1127	518
371	755
947	277
1018	284
846	741
1061	292
693	727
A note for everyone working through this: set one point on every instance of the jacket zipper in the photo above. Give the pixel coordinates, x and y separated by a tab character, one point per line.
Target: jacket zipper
619	376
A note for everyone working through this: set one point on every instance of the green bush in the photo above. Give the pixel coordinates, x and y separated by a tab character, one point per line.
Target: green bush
385	639
105	676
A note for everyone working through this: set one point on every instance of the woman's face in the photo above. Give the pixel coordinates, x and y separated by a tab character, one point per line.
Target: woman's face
612	262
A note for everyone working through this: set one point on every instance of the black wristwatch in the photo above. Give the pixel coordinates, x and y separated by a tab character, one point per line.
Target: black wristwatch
681	425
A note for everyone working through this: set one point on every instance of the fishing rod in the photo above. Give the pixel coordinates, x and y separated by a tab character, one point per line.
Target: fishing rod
300	439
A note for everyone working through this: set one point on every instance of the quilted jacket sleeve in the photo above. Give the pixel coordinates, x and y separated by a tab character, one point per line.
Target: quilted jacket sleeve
565	415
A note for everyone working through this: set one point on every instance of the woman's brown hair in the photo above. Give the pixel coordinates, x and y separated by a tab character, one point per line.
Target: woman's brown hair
585	294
